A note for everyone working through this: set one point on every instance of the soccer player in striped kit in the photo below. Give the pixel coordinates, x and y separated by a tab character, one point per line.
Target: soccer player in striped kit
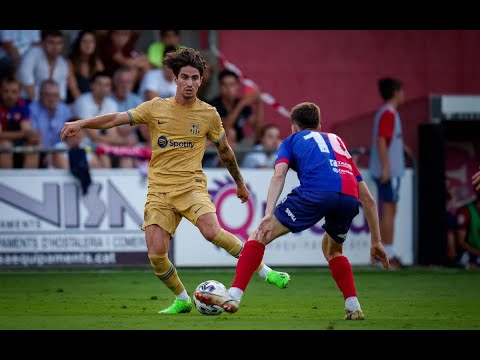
330	187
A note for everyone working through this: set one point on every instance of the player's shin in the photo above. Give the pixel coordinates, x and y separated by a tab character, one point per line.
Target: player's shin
342	274
248	263
167	273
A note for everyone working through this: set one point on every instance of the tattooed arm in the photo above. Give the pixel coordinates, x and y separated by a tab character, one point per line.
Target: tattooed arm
226	154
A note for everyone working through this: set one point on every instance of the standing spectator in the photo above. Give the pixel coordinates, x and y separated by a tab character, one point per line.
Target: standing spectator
158	82
15	125
48	114
234	110
263	154
13	44
156	51
387	162
98	102
42	63
468	231
83	62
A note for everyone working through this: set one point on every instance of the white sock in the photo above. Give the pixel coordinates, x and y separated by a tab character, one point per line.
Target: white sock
264	271
389	250
183	295
352	304
235	293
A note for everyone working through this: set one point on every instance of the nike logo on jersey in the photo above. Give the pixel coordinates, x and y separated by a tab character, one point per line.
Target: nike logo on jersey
162	122
198	209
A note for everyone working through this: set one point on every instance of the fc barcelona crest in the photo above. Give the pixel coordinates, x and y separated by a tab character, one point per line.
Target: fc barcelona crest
195	130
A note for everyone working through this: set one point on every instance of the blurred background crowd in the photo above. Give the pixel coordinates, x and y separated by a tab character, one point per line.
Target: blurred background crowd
49	77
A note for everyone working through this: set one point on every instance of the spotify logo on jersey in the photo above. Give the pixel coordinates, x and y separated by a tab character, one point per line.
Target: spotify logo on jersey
162	141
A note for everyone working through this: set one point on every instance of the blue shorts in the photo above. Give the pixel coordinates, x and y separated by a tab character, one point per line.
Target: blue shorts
298	213
389	191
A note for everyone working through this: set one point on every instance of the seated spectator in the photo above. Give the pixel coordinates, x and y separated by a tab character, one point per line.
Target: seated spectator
97	102
158	82
48	114
119	50
468	231
126	99
16	128
83	62
13	44
206	87
156	51
234	110
123	82
264	153
44	62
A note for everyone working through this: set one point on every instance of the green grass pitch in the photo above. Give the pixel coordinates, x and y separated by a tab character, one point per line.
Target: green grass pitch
429	299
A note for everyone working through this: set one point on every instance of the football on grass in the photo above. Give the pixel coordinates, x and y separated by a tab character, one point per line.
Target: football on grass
213	287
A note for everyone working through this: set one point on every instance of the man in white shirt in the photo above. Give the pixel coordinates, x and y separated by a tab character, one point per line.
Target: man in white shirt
44	62
263	154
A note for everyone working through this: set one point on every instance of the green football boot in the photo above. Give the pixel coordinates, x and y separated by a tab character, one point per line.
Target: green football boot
277	278
178	306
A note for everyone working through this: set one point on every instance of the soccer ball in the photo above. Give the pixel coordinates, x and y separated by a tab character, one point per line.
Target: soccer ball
214	287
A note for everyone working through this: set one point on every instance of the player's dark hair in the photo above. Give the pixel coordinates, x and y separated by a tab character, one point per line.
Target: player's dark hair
306	115
184	57
388	87
226	72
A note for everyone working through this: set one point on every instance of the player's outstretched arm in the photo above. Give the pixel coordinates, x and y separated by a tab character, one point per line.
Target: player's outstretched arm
226	154
105	121
276	187
476	180
370	208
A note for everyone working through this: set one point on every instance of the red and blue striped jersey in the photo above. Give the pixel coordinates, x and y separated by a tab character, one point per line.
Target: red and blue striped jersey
322	162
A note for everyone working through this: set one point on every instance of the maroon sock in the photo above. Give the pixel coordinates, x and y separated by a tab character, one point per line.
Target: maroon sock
343	276
249	260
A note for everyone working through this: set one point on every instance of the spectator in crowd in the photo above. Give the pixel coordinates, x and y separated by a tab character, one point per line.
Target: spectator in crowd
158	82
205	89
13	44
83	62
126	99
387	162
44	62
98	102
263	154
15	126
234	110
119	51
468	231
156	51
123	82
48	114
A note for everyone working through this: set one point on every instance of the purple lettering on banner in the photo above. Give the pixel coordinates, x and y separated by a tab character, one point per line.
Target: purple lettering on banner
225	190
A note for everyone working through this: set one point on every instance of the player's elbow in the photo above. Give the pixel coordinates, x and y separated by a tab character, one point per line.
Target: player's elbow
368	200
